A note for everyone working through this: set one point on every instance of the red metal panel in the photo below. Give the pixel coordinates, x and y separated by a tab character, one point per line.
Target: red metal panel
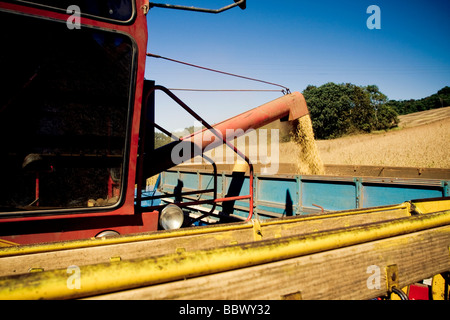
46	228
418	292
55	229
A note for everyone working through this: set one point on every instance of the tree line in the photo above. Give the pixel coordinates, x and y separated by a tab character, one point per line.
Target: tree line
438	100
163	139
340	109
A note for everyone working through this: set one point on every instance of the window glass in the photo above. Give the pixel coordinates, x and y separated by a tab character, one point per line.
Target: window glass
64	108
119	10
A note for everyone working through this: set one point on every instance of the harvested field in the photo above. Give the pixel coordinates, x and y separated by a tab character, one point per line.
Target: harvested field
422	140
424	117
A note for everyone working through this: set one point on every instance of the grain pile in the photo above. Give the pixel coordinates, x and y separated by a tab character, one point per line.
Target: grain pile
308	158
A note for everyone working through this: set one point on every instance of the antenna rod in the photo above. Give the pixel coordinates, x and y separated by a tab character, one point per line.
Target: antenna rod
240	3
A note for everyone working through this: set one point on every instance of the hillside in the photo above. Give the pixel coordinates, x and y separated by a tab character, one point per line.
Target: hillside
422	140
424	117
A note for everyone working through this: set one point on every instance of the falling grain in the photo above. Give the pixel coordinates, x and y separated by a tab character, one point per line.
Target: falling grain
308	160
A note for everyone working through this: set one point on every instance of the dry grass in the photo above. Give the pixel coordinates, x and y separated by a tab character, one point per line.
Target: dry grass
422	140
424	117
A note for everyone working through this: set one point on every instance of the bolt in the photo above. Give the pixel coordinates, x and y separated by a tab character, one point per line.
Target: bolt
393	277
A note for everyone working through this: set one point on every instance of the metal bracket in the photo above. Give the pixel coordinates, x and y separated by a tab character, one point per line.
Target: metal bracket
391	277
115	259
145	8
392	282
240	3
257	232
292	296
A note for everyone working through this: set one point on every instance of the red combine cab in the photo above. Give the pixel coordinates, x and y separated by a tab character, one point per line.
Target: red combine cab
76	112
70	114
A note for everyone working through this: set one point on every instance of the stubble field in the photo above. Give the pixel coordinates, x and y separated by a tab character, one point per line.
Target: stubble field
421	140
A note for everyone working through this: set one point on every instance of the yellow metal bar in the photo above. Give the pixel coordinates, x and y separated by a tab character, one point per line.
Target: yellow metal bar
426	206
6	243
50	260
85	243
111	277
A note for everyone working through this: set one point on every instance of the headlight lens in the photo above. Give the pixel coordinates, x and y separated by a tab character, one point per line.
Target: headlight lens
171	217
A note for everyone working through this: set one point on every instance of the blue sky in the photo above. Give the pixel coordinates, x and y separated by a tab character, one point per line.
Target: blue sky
296	43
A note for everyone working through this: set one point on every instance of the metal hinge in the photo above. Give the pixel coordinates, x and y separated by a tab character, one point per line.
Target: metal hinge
145	7
257	232
391	277
392	282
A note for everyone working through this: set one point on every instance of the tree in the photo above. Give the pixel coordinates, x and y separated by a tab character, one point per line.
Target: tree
444	91
377	100
161	139
339	109
329	107
376	97
437	100
363	113
387	117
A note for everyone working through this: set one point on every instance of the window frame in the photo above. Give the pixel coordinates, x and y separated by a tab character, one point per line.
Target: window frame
61	211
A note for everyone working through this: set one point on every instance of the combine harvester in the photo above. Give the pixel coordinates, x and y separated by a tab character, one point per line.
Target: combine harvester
77	221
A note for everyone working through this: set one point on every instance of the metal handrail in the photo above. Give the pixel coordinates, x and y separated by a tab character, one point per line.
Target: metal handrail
215	200
240	3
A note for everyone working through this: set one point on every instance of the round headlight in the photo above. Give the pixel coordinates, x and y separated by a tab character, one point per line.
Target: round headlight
171	217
